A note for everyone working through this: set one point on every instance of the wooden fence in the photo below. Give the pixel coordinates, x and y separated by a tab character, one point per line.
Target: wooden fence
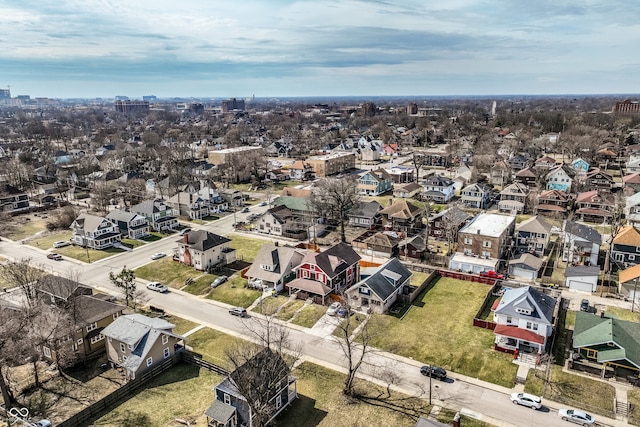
196	359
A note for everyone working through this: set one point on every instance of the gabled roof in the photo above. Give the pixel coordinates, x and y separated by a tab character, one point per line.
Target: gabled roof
60	287
535	224
584	232
528	298
299	204
632	178
408	187
401	209
202	240
148	207
382	239
379	175
365	209
387	279
526	173
334	260
581	271
628	236
439	181
529	260
563	168
90	309
279	257
553	195
515	188
453	214
89	222
595	196
477	187
120	215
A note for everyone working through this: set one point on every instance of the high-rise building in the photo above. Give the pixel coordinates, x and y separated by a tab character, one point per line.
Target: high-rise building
5	93
232	104
126	106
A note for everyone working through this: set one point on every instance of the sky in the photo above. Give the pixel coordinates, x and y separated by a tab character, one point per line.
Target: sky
283	48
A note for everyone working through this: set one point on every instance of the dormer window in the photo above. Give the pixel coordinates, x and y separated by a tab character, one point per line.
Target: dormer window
523	311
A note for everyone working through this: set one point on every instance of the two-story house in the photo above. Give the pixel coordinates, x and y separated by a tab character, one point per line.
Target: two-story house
438	188
625	248
477	195
597	178
514	198
12	199
189	205
137	343
500	174
160	217
231	407
365	214
403	216
595	206
130	224
300	171
552	203
406	191
204	250
445	224
580	166
377	292
319	274
96	232
560	178
524	320
282	221
273	266
518	162
374	183
214	200
632	209
532	236
545	163
483	242
581	244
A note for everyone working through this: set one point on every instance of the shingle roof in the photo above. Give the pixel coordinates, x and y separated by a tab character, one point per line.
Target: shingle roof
401	209
294	203
629	236
89	222
529	260
584	232
120	215
534	224
220	412
540	304
365	209
60	287
147	206
581	270
387	279
203	240
278	256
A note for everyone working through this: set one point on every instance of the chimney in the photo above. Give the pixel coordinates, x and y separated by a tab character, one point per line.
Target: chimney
478	231
602	313
277	243
185	238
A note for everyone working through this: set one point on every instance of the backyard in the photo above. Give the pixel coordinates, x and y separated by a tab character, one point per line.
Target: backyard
174	274
438	329
246	247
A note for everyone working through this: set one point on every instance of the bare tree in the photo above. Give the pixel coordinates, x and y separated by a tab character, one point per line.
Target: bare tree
23	274
334	197
417	159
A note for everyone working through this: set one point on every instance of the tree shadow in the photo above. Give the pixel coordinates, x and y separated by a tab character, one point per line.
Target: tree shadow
410	406
301	413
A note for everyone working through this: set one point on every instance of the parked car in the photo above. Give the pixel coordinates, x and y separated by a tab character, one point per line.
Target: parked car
491	274
185	231
526	399
343	312
157	286
333	308
576	416
158	255
263	204
61	243
238	311
219	281
434	372
40	423
54	256
584	305
245	210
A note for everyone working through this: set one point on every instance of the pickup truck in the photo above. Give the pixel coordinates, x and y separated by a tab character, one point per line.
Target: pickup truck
491	274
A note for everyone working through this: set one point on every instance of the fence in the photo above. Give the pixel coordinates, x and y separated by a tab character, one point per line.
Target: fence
196	359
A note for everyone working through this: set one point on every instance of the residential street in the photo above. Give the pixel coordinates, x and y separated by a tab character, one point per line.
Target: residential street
481	400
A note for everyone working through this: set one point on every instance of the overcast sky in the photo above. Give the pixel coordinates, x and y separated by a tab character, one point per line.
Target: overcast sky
221	48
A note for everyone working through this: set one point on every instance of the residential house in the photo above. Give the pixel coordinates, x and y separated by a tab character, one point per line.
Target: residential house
633	163
552	203
234	198
438	188
478	196
383	243
189	205
532	236
369	155
12	199
514	198
526	177
560	178
545	163
632	181
279	148
213	199
320	274
282	221
413	247
500	174
60	291
300	171
137	343
130	224
204	250
597	178
95	232
632	209
582	278
374	183
518	162
406	191
365	214
609	342
401	174
273	266
483	242
436	159
445	224
402	216
160	217
525	266
595	206
524	320
580	166
378	292
231	408
625	247
300	206
581	244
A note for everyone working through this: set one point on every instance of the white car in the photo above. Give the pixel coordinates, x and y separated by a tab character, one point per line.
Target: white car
526	399
576	416
333	308
61	243
158	255
157	286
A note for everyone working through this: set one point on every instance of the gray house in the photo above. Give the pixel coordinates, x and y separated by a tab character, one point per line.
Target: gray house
273	266
130	224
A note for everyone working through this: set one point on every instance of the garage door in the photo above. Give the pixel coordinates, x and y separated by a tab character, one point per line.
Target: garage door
526	274
580	286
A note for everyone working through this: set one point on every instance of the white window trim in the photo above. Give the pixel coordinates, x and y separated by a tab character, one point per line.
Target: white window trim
149	361
165	339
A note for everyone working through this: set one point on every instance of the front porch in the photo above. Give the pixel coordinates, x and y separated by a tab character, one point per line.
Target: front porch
510	339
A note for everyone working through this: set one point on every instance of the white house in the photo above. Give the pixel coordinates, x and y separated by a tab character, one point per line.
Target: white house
96	232
273	266
581	244
204	250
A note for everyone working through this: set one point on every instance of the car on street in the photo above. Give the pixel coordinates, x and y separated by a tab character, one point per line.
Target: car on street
333	308
434	372
158	255
245	210
61	243
54	256
185	231
219	281
526	399
584	305
239	311
263	204
491	274
157	286
576	416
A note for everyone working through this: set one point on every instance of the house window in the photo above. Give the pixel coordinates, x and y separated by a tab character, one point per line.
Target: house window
486	244
590	353
92	326
227	399
149	361
364	290
166	353
122	348
165	339
509	319
468	241
47	352
97	338
278	401
80	341
632	257
115	315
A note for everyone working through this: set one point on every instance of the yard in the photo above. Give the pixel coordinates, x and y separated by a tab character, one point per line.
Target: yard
289	310
309	315
174	274
85	254
25	226
634	399
212	345
270	305
246	247
573	390
622	314
234	293
438	329
46	239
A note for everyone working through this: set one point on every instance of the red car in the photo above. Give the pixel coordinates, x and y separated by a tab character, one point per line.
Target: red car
56	257
492	274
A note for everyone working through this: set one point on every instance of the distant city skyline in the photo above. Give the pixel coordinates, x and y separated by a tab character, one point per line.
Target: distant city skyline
305	48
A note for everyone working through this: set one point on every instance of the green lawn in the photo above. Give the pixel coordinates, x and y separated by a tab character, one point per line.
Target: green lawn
153	236
633	396
288	311
201	285
212	345
26	229
246	247
182	325
46	240
234	293
270	305
446	416
87	255
571	390
173	273
183	391
623	314
133	243
438	329
418	278
309	315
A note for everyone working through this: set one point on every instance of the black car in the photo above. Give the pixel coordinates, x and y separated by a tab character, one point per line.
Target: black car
434	372
584	305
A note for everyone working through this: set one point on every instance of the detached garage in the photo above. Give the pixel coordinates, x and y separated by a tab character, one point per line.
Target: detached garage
526	266
471	264
584	279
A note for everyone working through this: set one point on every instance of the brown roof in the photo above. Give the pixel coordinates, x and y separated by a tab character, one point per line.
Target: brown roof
629	274
401	209
310	286
629	236
633	178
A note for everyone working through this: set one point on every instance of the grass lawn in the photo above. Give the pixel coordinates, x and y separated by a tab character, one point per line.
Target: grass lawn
246	247
633	396
133	243
234	293
25	229
309	315
172	273
270	305
165	398
289	310
182	325
446	416
439	329
200	285
212	345
153	236
87	255
321	403
46	240
418	278
623	314
571	390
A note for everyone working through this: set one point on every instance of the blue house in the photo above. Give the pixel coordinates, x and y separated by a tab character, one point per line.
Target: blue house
580	166
375	183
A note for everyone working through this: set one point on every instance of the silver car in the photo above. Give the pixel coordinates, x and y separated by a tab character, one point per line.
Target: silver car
576	416
157	286
526	399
